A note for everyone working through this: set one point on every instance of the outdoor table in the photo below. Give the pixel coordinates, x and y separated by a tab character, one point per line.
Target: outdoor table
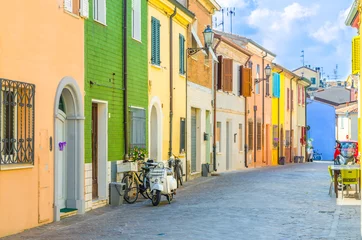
337	169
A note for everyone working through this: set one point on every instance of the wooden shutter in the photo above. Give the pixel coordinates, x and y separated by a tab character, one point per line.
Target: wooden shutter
84	8
220	73
228	75
303	96
250	136
258	136
356	55
288	99
245	82
68	5
292	99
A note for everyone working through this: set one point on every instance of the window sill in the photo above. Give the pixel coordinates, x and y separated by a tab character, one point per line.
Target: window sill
182	75
8	167
195	173
219	153
72	14
156	66
103	24
137	40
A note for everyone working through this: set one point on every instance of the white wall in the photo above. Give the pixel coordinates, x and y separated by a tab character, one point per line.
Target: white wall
343	127
231	108
200	98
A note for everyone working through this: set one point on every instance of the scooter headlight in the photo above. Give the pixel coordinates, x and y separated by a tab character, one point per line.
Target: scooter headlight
156	180
160	165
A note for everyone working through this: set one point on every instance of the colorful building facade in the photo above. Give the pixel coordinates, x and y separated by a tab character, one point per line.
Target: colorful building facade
167	23
48	69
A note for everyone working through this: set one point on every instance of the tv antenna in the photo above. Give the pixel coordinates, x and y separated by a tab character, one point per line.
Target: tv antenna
232	14
222	22
336	76
302	56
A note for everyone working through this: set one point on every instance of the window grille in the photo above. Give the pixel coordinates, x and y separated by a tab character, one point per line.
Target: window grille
17	122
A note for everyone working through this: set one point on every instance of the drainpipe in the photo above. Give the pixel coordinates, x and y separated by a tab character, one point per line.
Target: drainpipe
263	112
279	121
186	118
214	126
291	120
125	90
306	125
171	81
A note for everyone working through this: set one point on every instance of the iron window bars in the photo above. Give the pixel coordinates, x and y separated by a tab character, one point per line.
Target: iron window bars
16	122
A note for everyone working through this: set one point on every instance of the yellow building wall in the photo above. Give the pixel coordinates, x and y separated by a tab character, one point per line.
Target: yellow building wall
42	45
159	76
275	113
282	108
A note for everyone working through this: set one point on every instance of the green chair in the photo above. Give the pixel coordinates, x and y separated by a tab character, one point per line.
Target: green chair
332	180
349	177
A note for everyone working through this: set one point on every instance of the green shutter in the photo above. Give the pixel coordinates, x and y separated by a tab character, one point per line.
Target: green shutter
155	41
182	54
158	49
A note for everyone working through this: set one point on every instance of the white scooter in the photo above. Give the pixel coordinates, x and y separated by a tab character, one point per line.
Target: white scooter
162	182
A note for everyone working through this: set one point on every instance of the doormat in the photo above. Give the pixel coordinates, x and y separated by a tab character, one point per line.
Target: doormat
66	210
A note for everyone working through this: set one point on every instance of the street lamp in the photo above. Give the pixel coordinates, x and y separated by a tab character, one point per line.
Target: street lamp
267	74
208	39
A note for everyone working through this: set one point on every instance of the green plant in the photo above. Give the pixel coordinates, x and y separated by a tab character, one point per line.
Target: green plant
137	153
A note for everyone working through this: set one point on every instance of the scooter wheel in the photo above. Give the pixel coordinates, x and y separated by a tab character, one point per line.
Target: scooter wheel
156	198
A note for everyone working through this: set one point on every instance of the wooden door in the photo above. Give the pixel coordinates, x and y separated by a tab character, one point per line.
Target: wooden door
94	150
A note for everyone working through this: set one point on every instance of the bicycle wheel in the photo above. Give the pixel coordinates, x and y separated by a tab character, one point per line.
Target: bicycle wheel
145	189
132	190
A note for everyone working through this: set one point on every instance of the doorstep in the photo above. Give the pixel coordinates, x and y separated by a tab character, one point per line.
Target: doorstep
68	212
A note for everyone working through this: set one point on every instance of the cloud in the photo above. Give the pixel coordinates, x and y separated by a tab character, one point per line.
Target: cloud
331	31
233	3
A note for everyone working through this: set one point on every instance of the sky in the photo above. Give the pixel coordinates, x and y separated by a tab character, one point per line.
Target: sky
286	27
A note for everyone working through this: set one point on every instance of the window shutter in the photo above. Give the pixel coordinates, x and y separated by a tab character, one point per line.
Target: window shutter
246	82
288	99
275	77
267	86
303	96
182	54
158	42
292	99
84	8
228	75
241	80
299	97
68	5
155	41
220	73
356	55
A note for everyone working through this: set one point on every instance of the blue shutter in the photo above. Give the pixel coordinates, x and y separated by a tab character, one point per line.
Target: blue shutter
182	54
276	85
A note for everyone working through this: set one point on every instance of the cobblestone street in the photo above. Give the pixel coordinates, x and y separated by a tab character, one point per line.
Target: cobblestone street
287	202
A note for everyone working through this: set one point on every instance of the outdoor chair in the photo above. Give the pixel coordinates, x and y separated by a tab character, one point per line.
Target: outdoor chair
349	177
331	186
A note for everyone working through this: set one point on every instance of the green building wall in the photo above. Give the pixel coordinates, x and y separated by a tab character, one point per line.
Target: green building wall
103	65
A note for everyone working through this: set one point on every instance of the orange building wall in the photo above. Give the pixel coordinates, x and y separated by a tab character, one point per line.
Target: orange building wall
40	44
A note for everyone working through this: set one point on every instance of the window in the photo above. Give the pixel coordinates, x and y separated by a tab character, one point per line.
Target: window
99	11
138	127
155	42
267	86
182	54
182	135
292	99
250	136
257	87
342	123
303	96
299	95
218	137
258	136
275	136
17	122
136	19
287	138
240	137
313	80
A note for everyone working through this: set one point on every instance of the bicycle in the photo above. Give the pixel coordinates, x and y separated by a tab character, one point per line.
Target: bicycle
177	169
137	183
317	156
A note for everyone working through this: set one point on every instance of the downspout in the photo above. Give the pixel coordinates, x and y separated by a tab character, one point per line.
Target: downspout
306	125
214	126
291	120
279	122
263	112
171	82
245	124
125	90
186	153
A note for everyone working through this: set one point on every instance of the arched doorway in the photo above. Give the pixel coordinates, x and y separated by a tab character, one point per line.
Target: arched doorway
68	149
154	134
155	129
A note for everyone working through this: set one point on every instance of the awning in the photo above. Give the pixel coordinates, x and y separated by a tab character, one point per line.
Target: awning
198	41
213	55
